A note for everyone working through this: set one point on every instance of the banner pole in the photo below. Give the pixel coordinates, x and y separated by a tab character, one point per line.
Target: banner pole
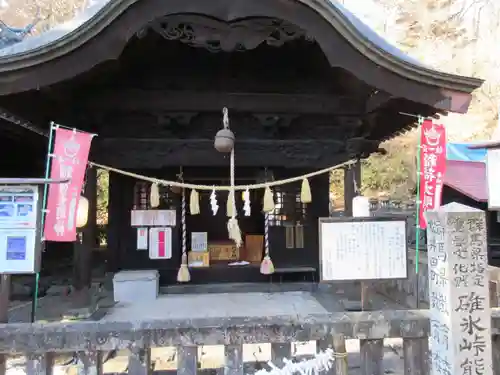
42	221
418	203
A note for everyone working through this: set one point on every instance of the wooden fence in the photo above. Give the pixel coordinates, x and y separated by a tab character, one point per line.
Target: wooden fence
91	340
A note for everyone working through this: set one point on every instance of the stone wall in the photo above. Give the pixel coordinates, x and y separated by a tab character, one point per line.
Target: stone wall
415	287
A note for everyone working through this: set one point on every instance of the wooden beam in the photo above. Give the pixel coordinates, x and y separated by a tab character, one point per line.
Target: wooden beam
376	101
196	101
160	153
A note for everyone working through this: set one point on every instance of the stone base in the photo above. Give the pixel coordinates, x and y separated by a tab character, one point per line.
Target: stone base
352	305
83	313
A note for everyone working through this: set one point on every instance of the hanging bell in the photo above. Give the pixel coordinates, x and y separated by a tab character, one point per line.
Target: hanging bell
224	141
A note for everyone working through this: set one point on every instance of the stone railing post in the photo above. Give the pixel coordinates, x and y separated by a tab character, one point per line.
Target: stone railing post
460	314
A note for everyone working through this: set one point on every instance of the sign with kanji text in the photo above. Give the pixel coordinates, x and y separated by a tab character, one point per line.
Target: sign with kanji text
432	167
69	161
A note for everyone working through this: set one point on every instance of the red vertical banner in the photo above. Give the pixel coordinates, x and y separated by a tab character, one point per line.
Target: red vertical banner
432	167
69	161
161	244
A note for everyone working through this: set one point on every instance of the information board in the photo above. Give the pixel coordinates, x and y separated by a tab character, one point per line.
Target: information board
492	168
20	232
199	241
373	248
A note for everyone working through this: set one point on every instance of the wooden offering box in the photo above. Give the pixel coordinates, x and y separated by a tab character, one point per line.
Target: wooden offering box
198	259
254	247
223	251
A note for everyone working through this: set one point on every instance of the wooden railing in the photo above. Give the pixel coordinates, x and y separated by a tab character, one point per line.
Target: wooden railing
89	340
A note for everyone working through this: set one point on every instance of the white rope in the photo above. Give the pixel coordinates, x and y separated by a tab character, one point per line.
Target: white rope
232	224
183	214
222	187
322	362
183	222
266	233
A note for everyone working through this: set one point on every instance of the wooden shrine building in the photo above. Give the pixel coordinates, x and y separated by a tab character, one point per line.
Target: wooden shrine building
306	83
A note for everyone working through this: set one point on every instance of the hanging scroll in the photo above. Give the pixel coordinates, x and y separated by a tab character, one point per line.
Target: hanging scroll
372	248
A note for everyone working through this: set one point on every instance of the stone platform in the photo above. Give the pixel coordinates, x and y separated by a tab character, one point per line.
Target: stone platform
238	303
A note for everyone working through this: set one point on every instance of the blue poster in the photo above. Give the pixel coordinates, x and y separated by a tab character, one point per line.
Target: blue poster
16	248
24	209
6	210
23	198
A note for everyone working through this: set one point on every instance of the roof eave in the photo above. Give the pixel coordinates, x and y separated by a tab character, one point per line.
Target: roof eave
114	8
492	145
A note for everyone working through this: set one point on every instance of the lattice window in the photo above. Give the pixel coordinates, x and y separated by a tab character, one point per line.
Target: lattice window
142	191
289	209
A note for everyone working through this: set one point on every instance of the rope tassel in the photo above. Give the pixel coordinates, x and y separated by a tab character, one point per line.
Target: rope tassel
194	203
305	192
154	196
268	205
183	276
267	266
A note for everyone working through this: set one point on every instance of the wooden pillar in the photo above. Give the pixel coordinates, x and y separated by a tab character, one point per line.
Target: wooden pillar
82	266
351	174
120	236
187	360
4	298
280	351
460	311
114	222
233	364
319	207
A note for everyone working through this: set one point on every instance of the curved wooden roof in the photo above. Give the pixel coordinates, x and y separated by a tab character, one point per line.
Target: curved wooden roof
101	32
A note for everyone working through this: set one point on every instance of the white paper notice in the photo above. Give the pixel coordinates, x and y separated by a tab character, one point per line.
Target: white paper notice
363	250
199	241
492	168
160	243
141	218
142	238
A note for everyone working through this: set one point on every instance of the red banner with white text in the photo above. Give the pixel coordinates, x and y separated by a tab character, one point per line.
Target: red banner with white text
432	167
69	161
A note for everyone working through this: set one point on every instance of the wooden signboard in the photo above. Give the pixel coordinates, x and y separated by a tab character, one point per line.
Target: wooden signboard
223	251
254	248
373	248
198	259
